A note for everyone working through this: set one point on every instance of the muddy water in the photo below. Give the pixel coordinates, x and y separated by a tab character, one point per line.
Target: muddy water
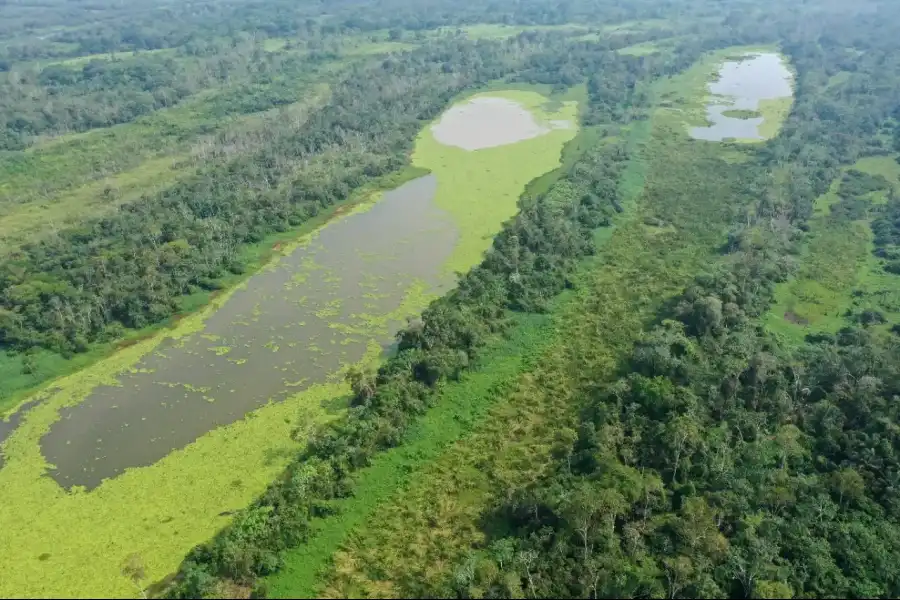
8	425
741	85
488	121
291	326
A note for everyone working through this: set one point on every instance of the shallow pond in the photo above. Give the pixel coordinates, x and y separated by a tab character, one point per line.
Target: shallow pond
292	325
743	85
489	121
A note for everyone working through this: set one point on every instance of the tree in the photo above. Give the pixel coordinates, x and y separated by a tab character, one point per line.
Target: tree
134	569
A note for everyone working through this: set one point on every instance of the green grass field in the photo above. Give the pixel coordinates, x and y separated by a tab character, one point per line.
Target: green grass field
491	31
642	49
837	261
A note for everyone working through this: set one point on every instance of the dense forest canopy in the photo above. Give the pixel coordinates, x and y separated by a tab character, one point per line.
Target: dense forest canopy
702	453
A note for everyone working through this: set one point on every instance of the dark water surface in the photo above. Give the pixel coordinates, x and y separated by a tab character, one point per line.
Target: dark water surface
292	326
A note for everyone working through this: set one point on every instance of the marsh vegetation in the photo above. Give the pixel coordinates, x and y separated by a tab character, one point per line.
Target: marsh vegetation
431	299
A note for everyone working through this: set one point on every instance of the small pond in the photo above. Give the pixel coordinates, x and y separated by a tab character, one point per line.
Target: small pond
742	85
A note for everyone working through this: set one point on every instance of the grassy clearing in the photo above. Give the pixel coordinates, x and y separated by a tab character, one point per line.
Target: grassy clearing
409	544
839	78
80	61
643	49
495	31
29	221
368	48
838	271
774	112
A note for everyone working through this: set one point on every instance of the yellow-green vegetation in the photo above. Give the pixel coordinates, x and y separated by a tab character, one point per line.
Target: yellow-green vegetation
741	113
186	497
839	78
80	61
774	112
837	261
500	31
480	189
23	222
56	543
365	48
642	49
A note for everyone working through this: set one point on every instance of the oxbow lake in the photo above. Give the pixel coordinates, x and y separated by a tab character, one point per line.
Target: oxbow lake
293	324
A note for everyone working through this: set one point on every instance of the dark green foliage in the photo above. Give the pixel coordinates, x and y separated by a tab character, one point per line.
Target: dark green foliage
886	230
720	464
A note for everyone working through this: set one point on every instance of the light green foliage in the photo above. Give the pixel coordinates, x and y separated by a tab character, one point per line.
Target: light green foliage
741	114
467	179
497	31
642	49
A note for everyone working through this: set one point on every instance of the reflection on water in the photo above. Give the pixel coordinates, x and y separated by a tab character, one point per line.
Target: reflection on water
293	325
741	85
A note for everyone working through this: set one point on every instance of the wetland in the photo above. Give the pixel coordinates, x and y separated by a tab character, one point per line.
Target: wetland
746	92
149	451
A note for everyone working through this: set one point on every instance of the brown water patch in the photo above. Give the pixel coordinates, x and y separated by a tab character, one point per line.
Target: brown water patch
293	325
488	121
